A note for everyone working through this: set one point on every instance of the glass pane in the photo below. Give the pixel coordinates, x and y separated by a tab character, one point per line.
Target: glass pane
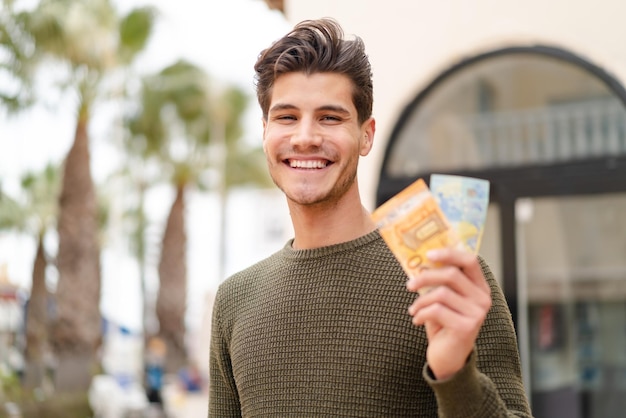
490	247
574	264
508	110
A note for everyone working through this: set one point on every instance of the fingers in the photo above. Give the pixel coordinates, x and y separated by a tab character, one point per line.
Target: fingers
460	270
458	292
448	308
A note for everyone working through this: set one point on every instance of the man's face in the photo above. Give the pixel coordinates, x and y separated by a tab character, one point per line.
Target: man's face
312	138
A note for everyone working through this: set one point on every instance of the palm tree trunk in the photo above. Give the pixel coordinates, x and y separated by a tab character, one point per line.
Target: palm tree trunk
172	295
77	329
36	322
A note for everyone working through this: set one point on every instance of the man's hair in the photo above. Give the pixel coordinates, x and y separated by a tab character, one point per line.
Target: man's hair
317	46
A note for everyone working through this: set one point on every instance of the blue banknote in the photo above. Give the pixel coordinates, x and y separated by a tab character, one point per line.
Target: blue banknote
464	201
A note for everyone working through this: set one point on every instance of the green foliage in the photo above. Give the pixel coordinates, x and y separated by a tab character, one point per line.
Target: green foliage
61	405
87	37
172	124
233	103
11	212
40	206
16	50
31	405
180	104
77	32
135	30
10	388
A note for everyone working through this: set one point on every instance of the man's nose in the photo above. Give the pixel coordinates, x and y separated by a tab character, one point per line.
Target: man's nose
306	134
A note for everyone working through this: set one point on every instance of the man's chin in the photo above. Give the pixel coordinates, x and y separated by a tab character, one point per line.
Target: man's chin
306	197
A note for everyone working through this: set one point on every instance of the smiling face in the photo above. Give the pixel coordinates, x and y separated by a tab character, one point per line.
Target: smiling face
312	138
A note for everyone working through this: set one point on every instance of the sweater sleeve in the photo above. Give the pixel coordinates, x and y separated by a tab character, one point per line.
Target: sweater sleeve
490	385
223	395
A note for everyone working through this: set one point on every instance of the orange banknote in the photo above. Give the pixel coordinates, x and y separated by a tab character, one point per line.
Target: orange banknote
412	223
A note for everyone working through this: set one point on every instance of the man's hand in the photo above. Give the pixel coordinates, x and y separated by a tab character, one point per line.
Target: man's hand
453	310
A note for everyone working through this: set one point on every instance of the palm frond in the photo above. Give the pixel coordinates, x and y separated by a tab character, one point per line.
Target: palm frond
11	212
135	29
17	65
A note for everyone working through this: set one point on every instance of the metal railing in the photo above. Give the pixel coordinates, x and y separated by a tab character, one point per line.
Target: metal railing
550	134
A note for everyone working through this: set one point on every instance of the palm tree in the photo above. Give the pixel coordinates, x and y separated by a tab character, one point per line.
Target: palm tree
36	216
91	41
41	207
171	127
176	125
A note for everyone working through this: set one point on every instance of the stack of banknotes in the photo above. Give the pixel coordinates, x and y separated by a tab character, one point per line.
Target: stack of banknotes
451	213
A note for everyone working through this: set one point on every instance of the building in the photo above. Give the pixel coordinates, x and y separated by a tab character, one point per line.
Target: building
529	95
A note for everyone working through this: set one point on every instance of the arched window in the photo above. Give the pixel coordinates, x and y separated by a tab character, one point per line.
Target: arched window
509	108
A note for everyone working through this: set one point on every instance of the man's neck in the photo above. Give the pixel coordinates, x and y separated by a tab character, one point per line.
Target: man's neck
317	226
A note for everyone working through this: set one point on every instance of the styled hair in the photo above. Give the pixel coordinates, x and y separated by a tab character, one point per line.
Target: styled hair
317	46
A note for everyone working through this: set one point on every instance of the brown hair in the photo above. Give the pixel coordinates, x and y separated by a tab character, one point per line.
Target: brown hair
317	46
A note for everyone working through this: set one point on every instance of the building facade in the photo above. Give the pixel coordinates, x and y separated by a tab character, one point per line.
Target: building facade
529	95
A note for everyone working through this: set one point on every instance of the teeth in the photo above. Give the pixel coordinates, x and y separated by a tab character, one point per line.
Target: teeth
307	164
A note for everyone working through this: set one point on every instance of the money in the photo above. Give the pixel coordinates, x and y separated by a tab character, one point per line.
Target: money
450	214
464	201
412	223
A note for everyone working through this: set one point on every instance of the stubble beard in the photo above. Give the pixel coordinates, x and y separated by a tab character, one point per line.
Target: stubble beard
321	199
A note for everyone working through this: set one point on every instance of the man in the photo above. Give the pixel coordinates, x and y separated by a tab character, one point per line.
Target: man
321	328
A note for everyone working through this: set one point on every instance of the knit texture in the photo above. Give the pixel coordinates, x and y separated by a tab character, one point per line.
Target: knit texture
325	332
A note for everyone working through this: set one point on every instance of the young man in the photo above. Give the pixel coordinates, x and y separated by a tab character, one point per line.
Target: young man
321	327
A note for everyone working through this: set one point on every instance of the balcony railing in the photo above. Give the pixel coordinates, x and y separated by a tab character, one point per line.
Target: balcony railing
556	133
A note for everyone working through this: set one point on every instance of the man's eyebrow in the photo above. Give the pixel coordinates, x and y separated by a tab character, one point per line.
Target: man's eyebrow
282	106
334	108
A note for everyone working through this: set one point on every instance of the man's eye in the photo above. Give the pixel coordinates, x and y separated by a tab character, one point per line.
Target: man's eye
331	118
285	117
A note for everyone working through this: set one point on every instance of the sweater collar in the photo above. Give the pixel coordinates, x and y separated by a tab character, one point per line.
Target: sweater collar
292	253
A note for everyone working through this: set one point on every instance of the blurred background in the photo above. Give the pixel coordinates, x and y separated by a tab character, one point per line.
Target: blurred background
132	182
129	148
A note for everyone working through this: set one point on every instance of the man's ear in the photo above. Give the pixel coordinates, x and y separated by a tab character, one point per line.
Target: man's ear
368	129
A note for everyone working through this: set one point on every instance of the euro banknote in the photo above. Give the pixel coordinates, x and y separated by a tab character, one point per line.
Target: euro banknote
464	201
411	223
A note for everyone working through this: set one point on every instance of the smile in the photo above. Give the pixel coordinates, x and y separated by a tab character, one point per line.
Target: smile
310	164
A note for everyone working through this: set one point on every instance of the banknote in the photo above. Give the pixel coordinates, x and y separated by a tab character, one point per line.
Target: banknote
411	223
464	201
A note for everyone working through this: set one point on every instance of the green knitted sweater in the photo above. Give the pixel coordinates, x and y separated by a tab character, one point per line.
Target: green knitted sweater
325	332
